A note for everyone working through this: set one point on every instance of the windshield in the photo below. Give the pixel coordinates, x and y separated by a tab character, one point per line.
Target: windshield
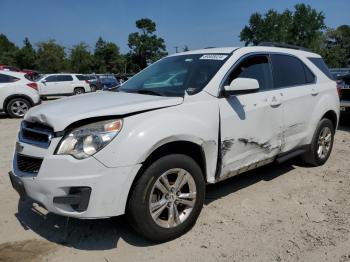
172	76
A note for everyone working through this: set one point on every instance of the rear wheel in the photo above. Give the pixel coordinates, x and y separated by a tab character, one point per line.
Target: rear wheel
321	145
79	91
167	199
17	107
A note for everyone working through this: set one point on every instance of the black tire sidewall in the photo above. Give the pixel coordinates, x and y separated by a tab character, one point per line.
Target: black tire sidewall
9	104
314	146
79	88
138	205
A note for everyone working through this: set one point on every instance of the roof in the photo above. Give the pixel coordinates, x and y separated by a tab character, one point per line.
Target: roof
229	50
212	50
12	73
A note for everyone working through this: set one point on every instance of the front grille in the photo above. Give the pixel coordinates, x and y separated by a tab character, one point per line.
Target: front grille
36	134
28	164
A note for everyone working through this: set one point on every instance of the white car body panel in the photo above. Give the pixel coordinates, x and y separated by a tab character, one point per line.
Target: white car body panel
235	133
17	88
61	87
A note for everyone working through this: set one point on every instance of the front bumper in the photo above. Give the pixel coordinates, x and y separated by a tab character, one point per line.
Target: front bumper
59	176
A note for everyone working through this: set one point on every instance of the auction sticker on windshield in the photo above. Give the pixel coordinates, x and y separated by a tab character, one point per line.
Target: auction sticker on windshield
213	57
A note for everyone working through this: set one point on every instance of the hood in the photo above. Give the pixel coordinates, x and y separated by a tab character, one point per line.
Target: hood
61	113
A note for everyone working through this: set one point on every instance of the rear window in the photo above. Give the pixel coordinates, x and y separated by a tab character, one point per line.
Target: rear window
7	79
82	77
290	71
287	71
322	66
63	78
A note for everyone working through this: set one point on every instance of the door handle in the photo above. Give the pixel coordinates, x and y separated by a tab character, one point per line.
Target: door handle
314	92
275	102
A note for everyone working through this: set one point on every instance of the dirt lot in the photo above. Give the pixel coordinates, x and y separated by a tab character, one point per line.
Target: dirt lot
283	212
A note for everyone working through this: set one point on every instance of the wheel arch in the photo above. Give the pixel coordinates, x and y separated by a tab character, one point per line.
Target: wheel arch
11	97
189	148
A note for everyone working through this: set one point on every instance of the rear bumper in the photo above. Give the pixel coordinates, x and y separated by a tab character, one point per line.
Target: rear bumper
77	188
344	106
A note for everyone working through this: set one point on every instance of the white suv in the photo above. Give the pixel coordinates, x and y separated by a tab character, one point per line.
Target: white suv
17	93
189	119
63	84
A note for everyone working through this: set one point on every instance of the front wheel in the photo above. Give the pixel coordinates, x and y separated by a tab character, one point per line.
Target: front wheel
321	145
167	199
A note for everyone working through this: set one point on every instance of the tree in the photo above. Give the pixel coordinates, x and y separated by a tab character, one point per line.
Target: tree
7	51
335	46
80	59
107	57
51	57
26	56
145	46
302	27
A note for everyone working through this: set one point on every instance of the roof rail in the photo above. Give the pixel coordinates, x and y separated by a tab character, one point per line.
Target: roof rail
283	45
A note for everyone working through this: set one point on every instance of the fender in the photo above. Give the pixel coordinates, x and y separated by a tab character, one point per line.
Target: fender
9	98
144	133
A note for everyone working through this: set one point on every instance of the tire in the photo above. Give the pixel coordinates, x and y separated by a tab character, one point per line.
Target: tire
17	107
79	91
145	194
316	156
93	88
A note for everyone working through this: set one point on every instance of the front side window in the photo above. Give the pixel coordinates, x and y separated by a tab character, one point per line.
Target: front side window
173	76
289	71
64	78
52	78
255	67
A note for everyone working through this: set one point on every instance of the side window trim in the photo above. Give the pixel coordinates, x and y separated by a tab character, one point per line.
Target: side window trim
238	62
304	65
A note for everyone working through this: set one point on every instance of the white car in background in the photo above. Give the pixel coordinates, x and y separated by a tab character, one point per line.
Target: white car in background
63	84
17	93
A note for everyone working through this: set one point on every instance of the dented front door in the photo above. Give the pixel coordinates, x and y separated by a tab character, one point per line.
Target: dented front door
251	123
251	130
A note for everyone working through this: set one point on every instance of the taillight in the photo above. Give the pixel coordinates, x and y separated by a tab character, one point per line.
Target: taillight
33	85
87	81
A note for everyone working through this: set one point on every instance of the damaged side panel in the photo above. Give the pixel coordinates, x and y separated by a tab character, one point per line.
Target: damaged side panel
251	133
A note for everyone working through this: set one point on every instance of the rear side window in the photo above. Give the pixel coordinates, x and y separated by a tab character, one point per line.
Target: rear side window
63	78
7	79
256	67
322	66
82	77
289	71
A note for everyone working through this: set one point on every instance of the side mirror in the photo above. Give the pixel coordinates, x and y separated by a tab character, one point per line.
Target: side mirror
43	81
242	84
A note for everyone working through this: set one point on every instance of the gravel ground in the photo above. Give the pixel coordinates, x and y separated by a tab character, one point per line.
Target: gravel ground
285	212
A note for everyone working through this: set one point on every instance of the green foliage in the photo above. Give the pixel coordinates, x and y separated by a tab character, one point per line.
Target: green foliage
26	56
145	46
81	60
107	57
7	51
302	27
51	57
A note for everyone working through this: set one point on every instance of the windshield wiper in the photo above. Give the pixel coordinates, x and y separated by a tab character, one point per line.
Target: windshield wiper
149	92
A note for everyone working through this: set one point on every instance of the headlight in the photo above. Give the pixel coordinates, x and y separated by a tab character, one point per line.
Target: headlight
87	140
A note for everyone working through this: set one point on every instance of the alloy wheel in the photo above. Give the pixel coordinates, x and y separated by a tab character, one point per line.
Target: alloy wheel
172	198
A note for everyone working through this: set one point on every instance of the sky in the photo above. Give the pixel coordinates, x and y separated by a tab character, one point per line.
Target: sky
195	23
